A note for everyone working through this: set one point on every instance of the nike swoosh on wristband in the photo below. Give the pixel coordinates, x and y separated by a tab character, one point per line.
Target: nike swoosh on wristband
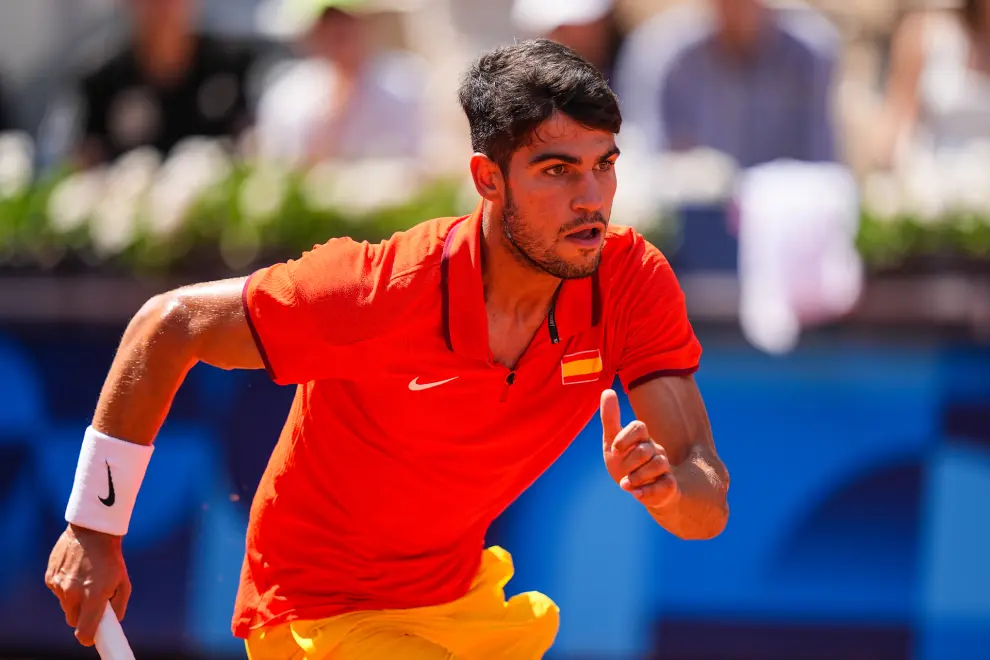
110	499
416	386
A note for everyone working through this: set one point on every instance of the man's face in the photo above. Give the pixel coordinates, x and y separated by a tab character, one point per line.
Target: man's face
558	197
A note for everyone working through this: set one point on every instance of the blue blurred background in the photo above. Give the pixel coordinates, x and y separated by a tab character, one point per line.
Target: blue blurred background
825	204
861	472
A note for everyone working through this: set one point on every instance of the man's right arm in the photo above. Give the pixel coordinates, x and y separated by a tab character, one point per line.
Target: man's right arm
299	319
170	334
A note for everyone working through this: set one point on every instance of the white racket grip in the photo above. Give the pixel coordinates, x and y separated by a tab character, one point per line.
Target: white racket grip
110	640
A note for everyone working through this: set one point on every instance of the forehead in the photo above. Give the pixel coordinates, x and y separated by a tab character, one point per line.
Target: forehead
562	134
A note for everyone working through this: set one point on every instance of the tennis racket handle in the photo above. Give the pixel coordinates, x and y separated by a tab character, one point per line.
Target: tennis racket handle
110	640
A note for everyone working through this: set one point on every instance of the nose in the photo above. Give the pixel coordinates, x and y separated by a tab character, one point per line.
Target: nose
590	196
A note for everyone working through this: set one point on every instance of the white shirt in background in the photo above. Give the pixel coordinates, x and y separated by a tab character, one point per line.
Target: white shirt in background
301	119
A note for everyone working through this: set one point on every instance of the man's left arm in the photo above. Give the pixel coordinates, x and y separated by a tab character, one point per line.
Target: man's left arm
676	421
666	458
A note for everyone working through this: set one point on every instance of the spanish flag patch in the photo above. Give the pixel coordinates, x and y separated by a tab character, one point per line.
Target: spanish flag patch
583	367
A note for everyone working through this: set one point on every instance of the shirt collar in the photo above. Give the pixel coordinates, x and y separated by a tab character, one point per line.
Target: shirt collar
576	307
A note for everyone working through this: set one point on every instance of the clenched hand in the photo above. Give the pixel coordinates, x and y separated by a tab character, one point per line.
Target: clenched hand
637	463
85	570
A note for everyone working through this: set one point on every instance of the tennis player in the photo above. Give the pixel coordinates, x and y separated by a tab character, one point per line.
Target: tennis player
437	375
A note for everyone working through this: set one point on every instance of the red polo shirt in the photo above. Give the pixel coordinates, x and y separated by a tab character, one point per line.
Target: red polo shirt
405	440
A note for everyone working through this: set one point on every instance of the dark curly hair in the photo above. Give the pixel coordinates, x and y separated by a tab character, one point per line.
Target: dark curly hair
509	91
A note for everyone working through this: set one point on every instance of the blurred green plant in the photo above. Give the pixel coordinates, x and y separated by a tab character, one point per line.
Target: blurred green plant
954	238
202	213
144	218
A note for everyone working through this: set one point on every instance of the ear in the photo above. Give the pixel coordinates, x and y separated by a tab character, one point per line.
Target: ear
487	177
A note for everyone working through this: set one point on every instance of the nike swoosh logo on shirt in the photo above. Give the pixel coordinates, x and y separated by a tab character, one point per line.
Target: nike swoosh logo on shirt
416	386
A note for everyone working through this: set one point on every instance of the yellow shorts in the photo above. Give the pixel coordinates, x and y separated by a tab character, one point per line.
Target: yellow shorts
478	626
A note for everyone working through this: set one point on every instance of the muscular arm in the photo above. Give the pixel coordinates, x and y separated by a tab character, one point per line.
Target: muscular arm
165	339
675	416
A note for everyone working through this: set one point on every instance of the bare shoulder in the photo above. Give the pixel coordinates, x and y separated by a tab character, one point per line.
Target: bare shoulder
194	303
205	321
214	289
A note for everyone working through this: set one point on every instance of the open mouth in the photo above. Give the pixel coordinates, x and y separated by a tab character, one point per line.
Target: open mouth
589	235
586	234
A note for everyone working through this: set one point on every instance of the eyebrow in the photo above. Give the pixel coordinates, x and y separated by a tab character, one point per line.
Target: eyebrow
614	151
568	158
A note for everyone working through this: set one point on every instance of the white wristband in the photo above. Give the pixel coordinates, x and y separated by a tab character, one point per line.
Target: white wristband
108	477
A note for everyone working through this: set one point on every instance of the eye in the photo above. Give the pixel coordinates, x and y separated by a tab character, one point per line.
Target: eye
556	170
605	165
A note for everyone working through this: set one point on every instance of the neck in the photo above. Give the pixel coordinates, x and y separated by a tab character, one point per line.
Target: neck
164	56
512	285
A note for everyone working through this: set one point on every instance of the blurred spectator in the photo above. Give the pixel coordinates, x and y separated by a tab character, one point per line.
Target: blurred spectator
169	82
938	94
746	79
589	27
343	99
